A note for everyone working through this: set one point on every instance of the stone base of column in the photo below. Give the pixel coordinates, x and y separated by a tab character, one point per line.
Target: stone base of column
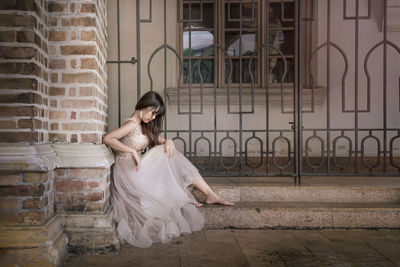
43	245
94	233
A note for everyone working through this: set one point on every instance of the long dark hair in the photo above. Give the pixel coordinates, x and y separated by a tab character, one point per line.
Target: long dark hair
152	129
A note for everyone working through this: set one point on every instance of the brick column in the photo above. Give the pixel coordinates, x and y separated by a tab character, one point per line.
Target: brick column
77	60
55	173
30	231
78	114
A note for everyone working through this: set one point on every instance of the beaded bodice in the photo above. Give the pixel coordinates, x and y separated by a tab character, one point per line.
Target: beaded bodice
135	139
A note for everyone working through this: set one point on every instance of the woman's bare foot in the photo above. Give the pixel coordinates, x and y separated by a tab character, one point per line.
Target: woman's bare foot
214	198
198	204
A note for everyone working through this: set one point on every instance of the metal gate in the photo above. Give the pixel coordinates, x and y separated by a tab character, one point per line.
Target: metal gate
274	88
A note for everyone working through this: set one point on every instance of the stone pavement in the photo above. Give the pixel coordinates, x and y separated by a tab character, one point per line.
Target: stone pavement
267	247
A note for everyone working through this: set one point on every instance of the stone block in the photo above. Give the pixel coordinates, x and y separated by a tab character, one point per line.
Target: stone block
35	177
10	179
8	204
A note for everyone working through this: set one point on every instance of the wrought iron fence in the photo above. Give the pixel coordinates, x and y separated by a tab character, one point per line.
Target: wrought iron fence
287	79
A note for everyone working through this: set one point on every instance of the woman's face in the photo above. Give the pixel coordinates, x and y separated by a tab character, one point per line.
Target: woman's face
149	114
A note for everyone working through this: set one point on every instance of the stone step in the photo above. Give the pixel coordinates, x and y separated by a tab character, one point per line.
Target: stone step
302	215
332	190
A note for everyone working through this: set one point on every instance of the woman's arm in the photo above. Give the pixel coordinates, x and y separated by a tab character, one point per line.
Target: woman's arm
112	138
169	146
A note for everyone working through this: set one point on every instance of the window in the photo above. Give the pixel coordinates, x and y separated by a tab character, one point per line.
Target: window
218	21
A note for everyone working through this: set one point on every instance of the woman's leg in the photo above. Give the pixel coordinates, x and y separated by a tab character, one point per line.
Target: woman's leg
212	197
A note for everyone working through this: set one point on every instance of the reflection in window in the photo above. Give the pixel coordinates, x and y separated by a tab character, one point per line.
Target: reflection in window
232	39
206	69
200	41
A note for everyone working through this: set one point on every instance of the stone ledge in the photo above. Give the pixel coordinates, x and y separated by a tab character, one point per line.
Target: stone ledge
83	155
25	157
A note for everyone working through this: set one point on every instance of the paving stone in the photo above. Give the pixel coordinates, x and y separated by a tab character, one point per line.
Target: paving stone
211	253
388	248
220	236
328	247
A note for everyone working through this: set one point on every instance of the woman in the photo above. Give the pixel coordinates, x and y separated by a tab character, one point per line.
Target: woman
150	195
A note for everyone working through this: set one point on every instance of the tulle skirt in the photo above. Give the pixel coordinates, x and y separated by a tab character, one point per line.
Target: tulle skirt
154	204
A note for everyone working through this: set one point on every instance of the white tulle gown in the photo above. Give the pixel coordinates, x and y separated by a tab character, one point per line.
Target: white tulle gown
153	204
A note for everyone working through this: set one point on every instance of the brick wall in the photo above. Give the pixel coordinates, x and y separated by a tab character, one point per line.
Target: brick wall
23	71
82	189
77	58
26	198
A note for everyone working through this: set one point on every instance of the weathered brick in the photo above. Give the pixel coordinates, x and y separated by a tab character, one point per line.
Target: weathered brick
25	123
72	91
55	91
24	68
35	177
69	185
72	7
10	52
10	179
8	124
87	115
73	63
74	138
88	8
78	22
57	138
22	190
16	137
7	36
89	138
18	83
73	115
17	111
88	63
57	115
79	126
12	20
61	173
8	4
54	77
88	173
93	185
57	64
96	206
86	91
26	36
85	77
54	21
35	203
78	50
56	7
7	204
28	98
88	35
54	126
78	103
95	196
57	36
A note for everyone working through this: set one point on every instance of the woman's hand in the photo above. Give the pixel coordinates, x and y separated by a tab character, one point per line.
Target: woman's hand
136	159
169	148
